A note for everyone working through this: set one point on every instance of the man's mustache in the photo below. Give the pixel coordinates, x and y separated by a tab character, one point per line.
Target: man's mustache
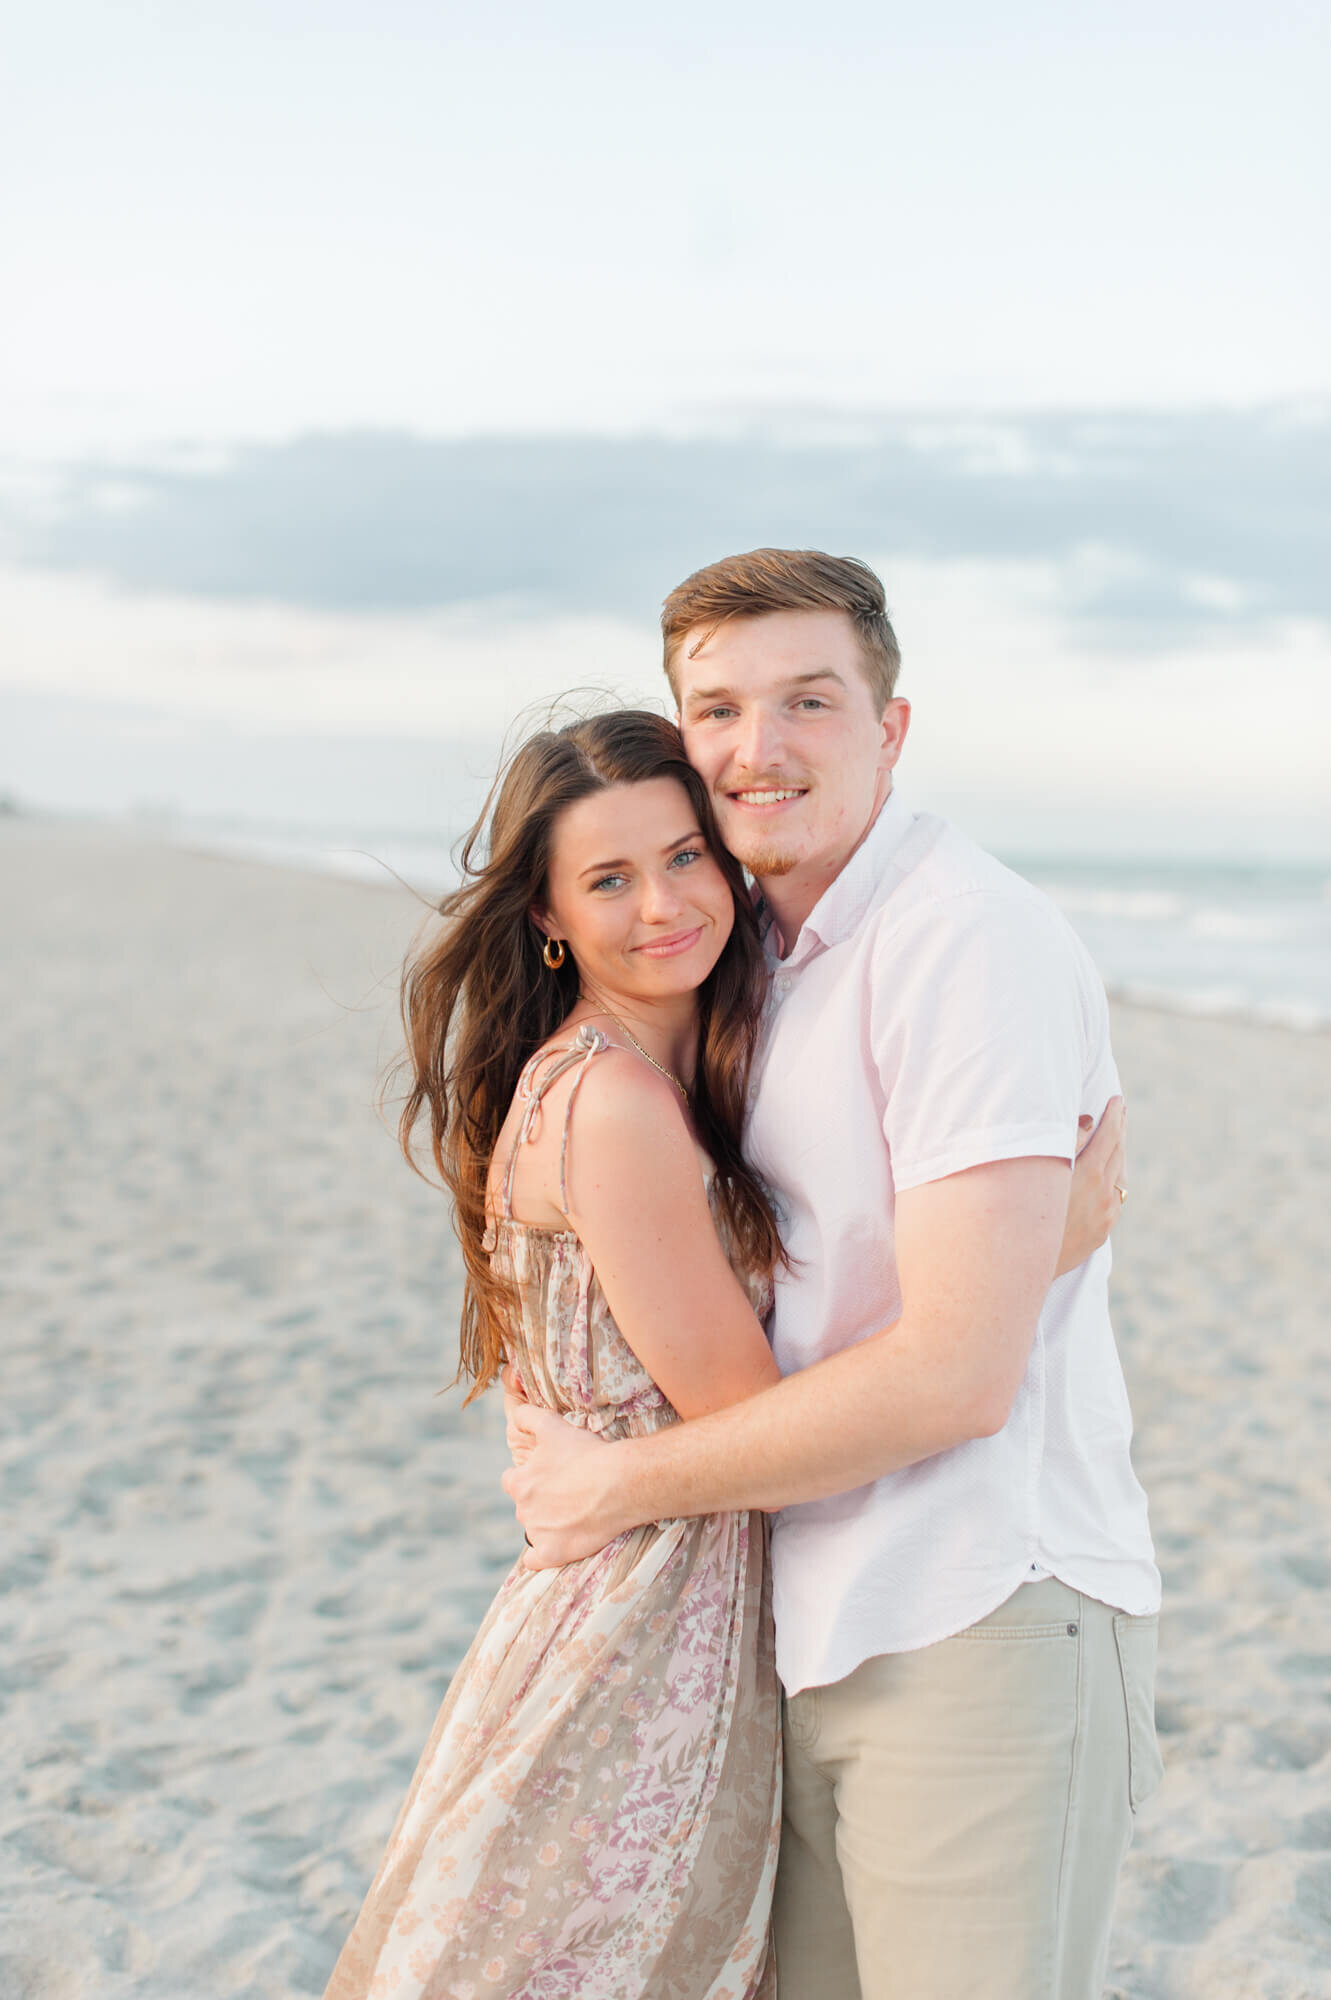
785	781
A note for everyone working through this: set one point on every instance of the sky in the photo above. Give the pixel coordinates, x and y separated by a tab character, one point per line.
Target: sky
369	372
260	218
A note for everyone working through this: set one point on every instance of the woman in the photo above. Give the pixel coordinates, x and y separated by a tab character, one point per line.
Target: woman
596	1812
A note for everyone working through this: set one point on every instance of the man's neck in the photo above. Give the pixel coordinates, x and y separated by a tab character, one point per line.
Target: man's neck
792	898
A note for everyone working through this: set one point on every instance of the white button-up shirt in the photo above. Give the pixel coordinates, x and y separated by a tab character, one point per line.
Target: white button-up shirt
936	1012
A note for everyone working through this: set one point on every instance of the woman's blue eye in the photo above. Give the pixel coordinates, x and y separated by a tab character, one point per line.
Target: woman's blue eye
616	880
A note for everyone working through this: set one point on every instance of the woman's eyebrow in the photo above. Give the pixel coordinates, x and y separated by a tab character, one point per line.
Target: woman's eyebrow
603	867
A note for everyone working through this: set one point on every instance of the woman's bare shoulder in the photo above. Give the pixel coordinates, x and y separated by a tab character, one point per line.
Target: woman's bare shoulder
619	1088
624	1113
630	1143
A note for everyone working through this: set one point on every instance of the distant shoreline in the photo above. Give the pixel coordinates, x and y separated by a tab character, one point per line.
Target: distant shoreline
1108	916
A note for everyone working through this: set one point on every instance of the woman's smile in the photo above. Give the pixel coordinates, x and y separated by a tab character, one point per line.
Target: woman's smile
671	947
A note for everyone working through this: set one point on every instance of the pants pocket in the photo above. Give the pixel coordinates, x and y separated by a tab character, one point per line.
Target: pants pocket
1135	1639
801	1717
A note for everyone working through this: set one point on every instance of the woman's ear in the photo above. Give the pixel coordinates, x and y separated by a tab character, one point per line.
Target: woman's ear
541	918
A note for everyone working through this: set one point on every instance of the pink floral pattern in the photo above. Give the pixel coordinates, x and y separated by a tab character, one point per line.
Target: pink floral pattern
596	1812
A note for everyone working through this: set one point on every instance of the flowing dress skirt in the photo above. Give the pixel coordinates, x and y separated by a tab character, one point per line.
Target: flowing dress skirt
597	1809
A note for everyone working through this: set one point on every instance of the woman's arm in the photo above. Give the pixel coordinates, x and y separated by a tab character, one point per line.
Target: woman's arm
637	1201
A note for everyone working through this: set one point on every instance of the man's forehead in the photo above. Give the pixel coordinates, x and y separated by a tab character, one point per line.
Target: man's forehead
793	639
821	626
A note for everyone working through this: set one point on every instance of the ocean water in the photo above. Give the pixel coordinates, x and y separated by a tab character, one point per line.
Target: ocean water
1248	940
1202	937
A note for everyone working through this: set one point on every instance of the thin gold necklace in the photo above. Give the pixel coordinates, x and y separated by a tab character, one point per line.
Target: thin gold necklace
625	1028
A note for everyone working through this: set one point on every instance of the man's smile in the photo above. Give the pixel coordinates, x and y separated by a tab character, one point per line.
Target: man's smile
766	795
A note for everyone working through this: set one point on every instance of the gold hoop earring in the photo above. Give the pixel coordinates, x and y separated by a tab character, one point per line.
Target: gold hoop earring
554	953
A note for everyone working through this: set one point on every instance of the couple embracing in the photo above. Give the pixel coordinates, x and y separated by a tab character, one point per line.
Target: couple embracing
771	1205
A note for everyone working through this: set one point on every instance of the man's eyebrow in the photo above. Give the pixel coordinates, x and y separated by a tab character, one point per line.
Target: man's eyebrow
605	867
794	680
817	674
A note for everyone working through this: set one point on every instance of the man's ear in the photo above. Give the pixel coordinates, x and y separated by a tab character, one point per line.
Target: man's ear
896	722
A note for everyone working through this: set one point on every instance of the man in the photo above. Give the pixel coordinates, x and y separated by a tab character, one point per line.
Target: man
963	1578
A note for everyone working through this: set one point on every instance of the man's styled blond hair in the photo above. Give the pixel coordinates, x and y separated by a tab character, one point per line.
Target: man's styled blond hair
786	580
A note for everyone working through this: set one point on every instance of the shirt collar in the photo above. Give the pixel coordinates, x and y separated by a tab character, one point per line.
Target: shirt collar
842	904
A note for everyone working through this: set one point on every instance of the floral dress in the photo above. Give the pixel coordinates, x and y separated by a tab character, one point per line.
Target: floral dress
596	1813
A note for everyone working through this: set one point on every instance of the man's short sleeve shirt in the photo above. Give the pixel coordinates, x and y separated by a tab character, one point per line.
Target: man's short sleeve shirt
937	1013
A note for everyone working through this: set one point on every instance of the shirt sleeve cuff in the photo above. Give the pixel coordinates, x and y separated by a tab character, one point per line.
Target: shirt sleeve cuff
979	1149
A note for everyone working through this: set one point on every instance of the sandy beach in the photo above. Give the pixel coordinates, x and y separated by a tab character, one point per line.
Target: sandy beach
246	1541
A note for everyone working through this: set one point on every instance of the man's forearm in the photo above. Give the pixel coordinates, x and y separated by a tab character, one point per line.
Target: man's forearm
977	1252
839	1424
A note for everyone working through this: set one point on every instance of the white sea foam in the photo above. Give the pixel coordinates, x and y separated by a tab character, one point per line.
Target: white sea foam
1139	905
1225	1003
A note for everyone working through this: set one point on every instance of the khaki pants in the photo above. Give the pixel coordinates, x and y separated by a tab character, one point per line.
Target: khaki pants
955	1818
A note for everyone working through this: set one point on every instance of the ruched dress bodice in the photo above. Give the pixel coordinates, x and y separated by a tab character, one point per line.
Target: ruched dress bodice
566	1349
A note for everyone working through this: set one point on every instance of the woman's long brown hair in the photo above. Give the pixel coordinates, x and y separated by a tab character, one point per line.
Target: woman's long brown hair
478	999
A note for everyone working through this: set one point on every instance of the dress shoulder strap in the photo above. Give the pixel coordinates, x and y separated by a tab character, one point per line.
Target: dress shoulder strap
546	1067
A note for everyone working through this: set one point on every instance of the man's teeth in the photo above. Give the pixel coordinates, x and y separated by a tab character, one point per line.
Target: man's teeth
767	798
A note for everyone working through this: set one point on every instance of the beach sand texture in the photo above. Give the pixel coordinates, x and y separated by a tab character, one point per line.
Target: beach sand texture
245	1542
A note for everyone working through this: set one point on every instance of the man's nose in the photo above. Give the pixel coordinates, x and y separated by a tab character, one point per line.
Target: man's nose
758	744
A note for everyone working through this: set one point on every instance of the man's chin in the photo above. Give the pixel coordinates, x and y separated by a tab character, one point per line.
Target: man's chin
763	846
768	861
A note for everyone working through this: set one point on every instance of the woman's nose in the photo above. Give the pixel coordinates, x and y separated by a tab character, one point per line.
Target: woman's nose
660	897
